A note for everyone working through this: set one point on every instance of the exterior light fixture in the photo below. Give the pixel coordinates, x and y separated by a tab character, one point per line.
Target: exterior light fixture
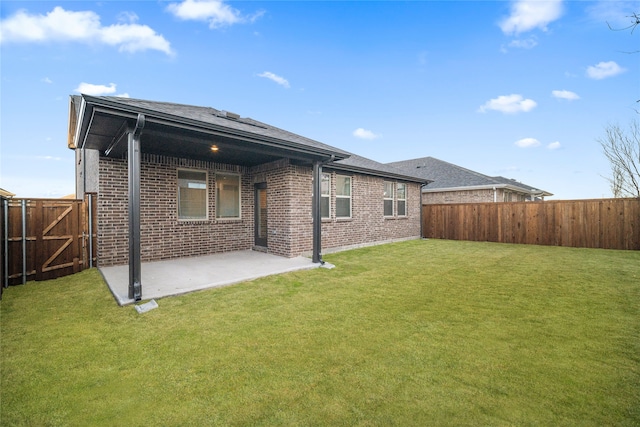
214	148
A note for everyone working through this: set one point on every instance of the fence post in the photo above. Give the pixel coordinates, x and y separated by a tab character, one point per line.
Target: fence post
5	243
37	222
24	241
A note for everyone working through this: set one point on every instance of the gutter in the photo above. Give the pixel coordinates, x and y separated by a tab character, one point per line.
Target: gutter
113	108
379	173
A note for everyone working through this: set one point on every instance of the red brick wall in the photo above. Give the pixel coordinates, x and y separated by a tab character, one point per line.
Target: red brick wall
368	224
163	236
465	196
289	199
473	196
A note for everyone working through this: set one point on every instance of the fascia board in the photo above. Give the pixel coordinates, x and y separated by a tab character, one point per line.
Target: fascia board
110	107
486	187
372	172
467	188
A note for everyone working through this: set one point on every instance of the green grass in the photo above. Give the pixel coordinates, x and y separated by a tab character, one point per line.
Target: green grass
416	333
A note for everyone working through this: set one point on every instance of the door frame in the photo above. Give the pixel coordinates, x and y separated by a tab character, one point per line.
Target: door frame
257	239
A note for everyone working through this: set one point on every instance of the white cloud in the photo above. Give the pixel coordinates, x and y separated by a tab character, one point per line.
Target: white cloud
509	104
527	143
57	159
602	70
280	80
529	43
46	80
215	12
95	90
61	25
365	134
565	94
527	15
554	145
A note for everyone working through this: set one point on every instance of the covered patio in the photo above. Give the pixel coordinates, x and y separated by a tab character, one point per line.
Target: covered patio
192	150
184	275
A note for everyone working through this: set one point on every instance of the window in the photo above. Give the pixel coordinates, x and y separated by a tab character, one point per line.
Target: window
325	195
388	198
192	195
343	196
227	196
401	196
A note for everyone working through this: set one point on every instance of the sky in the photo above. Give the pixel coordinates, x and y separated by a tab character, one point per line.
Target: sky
521	89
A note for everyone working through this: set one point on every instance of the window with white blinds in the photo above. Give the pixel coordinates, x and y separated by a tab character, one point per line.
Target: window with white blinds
192	195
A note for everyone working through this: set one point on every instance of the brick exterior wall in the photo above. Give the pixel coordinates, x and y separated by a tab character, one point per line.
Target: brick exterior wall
466	196
368	224
162	235
289	220
473	196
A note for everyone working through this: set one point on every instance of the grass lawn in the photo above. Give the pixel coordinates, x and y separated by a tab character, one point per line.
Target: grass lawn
425	332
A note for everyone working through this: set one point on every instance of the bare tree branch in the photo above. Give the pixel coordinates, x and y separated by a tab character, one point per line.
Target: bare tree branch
635	21
622	148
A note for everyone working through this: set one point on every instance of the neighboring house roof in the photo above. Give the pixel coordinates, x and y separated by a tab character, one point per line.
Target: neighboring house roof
355	163
6	194
449	177
99	122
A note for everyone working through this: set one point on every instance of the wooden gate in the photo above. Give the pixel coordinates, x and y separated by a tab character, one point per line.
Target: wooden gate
47	238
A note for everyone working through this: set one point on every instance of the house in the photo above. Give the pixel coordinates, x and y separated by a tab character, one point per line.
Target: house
177	181
455	184
6	194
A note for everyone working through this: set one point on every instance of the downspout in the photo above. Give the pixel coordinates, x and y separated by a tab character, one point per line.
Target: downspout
495	195
84	172
135	276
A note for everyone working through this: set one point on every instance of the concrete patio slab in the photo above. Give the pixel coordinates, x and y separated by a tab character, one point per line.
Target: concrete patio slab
183	275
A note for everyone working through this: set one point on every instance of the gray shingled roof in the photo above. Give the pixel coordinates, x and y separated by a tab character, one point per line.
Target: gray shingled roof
207	117
448	176
357	163
211	116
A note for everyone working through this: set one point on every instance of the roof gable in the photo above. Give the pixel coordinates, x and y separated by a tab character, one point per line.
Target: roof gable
207	117
176	123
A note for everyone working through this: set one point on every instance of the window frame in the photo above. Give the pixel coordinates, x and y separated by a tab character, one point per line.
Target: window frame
217	198
206	191
340	196
326	196
385	199
404	199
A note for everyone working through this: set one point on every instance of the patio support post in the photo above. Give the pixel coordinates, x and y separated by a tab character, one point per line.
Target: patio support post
317	220
135	281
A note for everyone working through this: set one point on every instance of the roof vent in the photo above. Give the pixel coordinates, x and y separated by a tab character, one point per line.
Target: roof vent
229	115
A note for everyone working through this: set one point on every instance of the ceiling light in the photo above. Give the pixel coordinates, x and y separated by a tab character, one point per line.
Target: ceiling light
214	148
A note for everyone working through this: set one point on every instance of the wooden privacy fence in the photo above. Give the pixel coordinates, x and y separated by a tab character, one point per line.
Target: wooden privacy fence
602	223
47	238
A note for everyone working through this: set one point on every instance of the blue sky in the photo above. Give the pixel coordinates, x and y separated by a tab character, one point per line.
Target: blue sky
521	89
